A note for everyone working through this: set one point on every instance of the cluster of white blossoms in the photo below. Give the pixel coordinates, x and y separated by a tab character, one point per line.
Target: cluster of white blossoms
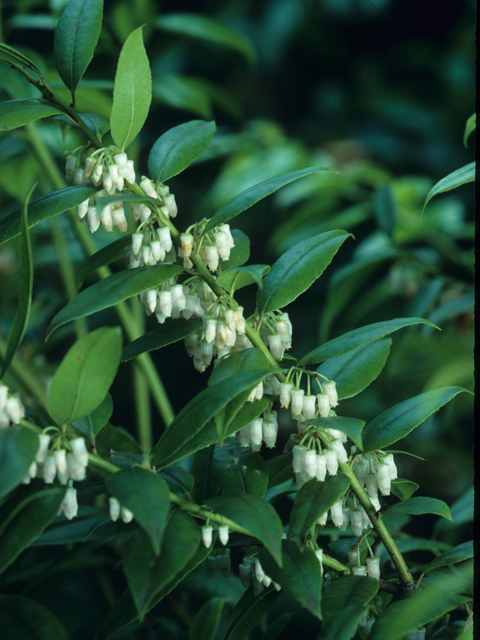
252	573
116	510
276	333
11	407
370	569
207	534
213	247
306	406
262	429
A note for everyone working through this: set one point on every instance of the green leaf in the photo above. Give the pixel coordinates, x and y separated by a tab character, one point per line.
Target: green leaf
111	253
462	511
351	426
190	421
404	489
132	93
148	498
206	622
279	469
148	574
251	196
176	149
177	479
299	575
452	181
114	289
342	627
236	363
12	55
209	30
160	337
243	276
76	36
470	127
347	591
397	422
419	506
407	545
84	530
297	269
22	619
277	626
355	370
179	91
18	446
124	459
25	291
459	553
355	338
248	612
44	208
237	469
312	501
384	208
85	375
24	516
17	113
241	251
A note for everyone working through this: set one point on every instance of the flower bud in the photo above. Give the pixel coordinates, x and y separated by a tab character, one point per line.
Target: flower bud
359	570
373	568
356	521
114	508
321	471
223	534
49	469
276	346
285	394
93	219
319	554
256	431
298	461
331	391
336	512
371	484
41	454
332	462
383	477
207	534
297	402
393	467
69	504
323	405
243	436
259	572
360	470
308	406
311	462
127	515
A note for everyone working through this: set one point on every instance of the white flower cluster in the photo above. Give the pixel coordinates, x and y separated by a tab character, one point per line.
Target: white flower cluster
251	572
371	569
207	534
375	471
306	406
276	333
263	429
214	247
11	407
116	510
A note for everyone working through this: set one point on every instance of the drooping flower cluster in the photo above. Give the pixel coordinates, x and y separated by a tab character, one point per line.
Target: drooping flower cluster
276	333
212	247
307	406
252	573
58	463
116	510
262	429
11	407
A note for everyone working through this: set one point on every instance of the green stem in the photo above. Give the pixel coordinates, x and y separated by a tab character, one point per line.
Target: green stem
327	561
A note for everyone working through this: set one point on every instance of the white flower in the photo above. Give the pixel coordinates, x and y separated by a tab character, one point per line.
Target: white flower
69	504
207	532
285	394
323	405
44	440
259	572
49	469
127	515
337	513
223	533
297	402
331	391
298	460
256	431
356	521
308	409
114	508
276	346
373	568
332	462
79	450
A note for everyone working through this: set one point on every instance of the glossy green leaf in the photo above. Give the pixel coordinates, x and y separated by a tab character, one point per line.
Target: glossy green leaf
176	149
279	469
148	574
43	208
81	382
355	370
206	622
160	337
147	496
111	253
207	29
84	530
98	125
132	93
179	91
461	510
114	289
12	55
18	446
238	469
343	626
17	113
115	439
190	421
347	591
248	612
299	576
24	516
355	338
404	489
178	479
251	196
312	501
470	127
240	252
236	363
459	553
419	506
397	422
76	36
384	208
407	545
352	427
241	277
297	269
24	619
452	181
22	314
124	459
253	514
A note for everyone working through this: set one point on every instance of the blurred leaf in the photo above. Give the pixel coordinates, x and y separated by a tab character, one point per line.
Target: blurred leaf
132	93
25	291
100	528
22	618
419	506
176	149
342	627
160	337
347	591
147	496
237	469
470	127
397	422
209	30
462	511
111	253
277	626
107	293
243	276
82	380
352	427
17	113
452	181
404	489
76	36
182	92
452	556
206	622
248	612
12	55
384	208
18	446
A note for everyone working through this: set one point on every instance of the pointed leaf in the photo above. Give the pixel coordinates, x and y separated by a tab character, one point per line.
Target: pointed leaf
470	126
355	370
25	294
352	591
280	469
107	293
177	479
22	618
395	423
299	575
352	427
148	498
404	489
111	253
248	612
239	362
76	36
253	514
18	446
461	510
12	55
419	506
160	337
243	276
297	269
312	501
238	469
206	622
355	338
44	208
459	553
452	181
132	93
17	113
343	627
176	149
251	196
85	375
